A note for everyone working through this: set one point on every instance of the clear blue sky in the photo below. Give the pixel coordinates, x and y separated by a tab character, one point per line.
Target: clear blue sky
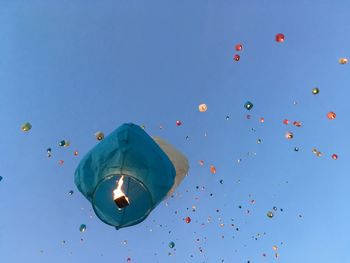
72	68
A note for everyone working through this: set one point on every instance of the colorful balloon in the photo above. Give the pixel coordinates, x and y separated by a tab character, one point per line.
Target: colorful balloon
297	123
343	61
202	107
248	105
315	91
280	37
99	135
238	47
212	169
64	143
26	127
331	115
289	135
82	228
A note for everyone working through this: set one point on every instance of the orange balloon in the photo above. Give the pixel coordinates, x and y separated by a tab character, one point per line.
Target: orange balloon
212	169
331	115
202	107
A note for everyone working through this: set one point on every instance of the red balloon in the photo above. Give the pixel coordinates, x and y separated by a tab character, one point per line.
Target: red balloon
280	37
236	57
178	123
297	123
188	220
238	47
286	122
334	156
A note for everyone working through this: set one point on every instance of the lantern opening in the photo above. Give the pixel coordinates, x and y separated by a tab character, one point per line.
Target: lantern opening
119	197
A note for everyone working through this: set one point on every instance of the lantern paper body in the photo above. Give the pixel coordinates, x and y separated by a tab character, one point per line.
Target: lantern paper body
148	175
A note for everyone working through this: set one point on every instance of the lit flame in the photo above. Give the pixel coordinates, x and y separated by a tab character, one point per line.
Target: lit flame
118	192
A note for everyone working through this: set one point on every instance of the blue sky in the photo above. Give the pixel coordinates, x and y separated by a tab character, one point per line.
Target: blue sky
72	68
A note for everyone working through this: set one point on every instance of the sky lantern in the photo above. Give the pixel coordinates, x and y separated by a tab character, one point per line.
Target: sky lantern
331	115
128	174
236	57
248	105
26	127
280	37
48	151
297	124
99	136
188	220
82	228
289	135
343	61
202	107
317	152
212	169
64	143
270	214
315	91
239	47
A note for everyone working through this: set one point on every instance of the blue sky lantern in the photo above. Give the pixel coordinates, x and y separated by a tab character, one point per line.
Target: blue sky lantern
248	105
128	174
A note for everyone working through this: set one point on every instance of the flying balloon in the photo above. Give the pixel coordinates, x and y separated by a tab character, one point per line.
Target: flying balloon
315	91
26	127
248	105
280	37
331	115
238	47
236	57
202	107
343	61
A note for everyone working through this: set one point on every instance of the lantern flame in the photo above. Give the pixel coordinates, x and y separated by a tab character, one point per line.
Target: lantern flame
119	196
